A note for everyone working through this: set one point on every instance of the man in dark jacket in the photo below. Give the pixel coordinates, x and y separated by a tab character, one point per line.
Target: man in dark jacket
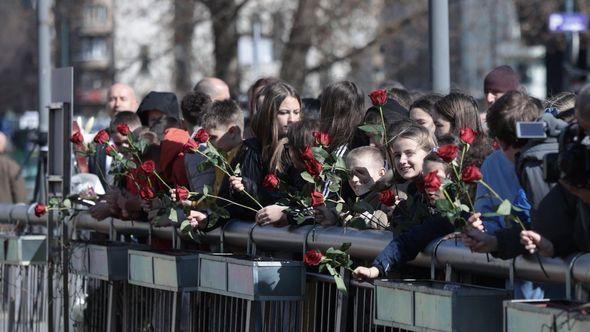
159	111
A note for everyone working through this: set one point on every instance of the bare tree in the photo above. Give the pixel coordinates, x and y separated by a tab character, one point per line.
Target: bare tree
183	27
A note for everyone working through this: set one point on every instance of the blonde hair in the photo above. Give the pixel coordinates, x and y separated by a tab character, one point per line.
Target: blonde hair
412	130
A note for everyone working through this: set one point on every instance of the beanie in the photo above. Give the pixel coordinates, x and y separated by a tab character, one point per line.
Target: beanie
501	79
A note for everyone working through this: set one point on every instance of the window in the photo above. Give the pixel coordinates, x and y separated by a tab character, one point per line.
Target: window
94	49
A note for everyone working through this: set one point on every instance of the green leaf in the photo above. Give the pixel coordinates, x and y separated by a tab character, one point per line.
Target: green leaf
464	208
320	154
372	128
504	208
340	284
185	226
345	246
340	165
237	170
307	177
173	215
443	205
67	203
205	190
339	207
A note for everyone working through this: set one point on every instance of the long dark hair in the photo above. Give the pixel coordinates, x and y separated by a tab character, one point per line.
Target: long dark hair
342	110
460	110
264	124
299	136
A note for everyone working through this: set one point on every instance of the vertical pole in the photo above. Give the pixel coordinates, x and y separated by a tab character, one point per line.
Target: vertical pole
44	54
342	303
438	22
256	27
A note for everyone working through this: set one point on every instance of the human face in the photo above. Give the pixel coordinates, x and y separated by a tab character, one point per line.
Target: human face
363	174
443	126
423	118
439	168
289	112
492	96
225	138
408	157
121	98
154	116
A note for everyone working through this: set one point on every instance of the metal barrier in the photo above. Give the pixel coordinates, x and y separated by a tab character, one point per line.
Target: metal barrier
92	301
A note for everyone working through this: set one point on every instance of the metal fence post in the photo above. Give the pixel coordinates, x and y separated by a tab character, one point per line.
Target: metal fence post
342	303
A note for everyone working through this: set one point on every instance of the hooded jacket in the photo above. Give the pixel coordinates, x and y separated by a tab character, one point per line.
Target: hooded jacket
165	102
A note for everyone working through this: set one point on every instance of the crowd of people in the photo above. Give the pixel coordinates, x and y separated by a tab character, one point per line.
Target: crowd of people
390	171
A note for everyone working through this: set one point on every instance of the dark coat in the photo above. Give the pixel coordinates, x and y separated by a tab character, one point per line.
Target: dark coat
165	102
408	245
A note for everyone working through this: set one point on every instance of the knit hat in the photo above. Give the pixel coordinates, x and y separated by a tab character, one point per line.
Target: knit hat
501	79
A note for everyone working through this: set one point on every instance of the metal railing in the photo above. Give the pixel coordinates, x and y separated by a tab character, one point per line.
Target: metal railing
324	308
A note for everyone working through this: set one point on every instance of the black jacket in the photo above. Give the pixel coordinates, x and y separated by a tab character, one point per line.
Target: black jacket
561	218
165	102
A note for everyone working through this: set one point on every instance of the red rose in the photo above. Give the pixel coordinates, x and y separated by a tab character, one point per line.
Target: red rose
181	193
40	209
271	181
110	150
317	199
448	152
431	182
123	129
313	258
378	97
313	167
467	135
202	136
190	146
101	137
471	174
77	138
321	138
386	197
307	154
146	193
148	166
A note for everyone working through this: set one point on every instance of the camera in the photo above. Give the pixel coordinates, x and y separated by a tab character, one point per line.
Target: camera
563	149
572	162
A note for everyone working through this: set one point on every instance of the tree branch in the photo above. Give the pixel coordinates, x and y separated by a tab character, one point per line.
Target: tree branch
390	29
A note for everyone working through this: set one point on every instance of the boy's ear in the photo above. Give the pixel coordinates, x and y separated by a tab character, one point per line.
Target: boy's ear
382	172
235	131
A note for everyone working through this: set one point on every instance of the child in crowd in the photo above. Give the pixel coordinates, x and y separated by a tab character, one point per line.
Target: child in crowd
288	166
408	244
366	166
224	122
454	112
280	108
341	111
422	109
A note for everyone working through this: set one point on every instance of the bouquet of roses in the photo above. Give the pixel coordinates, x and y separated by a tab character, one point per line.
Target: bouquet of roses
323	173
457	204
332	261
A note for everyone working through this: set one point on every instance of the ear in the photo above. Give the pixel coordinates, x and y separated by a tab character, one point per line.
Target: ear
382	172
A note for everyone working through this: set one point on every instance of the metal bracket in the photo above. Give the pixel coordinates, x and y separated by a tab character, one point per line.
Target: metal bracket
569	276
305	246
222	237
251	245
433	259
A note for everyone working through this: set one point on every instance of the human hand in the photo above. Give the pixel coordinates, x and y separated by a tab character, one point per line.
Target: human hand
365	273
324	216
475	222
196	219
236	183
174	197
479	241
272	214
533	241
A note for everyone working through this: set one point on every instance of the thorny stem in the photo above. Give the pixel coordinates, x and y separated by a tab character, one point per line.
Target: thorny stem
229	175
